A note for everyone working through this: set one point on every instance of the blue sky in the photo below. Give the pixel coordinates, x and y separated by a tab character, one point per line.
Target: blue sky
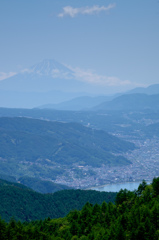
115	43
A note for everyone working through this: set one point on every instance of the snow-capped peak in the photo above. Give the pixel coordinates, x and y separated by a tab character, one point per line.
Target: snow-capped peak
51	68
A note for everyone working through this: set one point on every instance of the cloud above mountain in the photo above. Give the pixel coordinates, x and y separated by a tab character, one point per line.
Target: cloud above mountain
97	79
4	75
73	12
55	70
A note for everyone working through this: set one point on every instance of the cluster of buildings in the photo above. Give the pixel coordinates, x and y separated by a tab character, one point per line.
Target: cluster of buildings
145	165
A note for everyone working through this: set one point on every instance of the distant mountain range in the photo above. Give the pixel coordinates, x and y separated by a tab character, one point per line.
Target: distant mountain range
45	76
78	104
43	83
15	99
150	90
53	85
135	99
132	102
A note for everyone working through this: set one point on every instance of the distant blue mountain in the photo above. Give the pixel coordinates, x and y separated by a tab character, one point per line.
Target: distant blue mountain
132	102
80	103
150	90
135	99
47	75
50	82
43	83
17	99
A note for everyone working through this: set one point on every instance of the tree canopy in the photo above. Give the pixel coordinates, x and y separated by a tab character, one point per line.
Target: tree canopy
134	216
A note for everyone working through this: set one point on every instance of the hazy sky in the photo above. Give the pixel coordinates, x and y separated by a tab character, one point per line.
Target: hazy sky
112	41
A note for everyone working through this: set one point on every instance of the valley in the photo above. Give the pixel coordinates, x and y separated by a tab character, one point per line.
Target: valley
144	165
82	142
140	128
79	120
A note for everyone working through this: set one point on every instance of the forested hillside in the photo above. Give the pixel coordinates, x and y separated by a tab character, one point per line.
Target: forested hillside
41	186
127	122
134	216
24	204
36	184
45	149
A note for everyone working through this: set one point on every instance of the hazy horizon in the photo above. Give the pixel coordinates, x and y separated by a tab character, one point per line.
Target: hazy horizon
110	45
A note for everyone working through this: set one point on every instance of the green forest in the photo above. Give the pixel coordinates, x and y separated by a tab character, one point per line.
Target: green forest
134	215
24	204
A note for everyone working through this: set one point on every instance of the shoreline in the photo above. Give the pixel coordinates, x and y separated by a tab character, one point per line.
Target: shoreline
116	185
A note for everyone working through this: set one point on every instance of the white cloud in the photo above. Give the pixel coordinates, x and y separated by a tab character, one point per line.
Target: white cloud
26	70
4	75
72	12
96	79
56	73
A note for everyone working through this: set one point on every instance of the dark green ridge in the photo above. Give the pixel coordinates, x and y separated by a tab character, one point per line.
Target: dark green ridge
24	204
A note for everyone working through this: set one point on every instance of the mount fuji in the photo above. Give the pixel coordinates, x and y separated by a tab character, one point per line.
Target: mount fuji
43	83
45	76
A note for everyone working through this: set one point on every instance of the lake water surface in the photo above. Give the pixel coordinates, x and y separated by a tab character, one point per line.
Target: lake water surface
116	187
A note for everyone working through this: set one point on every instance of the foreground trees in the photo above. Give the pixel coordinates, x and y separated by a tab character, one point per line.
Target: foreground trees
135	215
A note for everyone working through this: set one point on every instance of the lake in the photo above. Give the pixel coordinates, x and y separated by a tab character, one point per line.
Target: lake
117	186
